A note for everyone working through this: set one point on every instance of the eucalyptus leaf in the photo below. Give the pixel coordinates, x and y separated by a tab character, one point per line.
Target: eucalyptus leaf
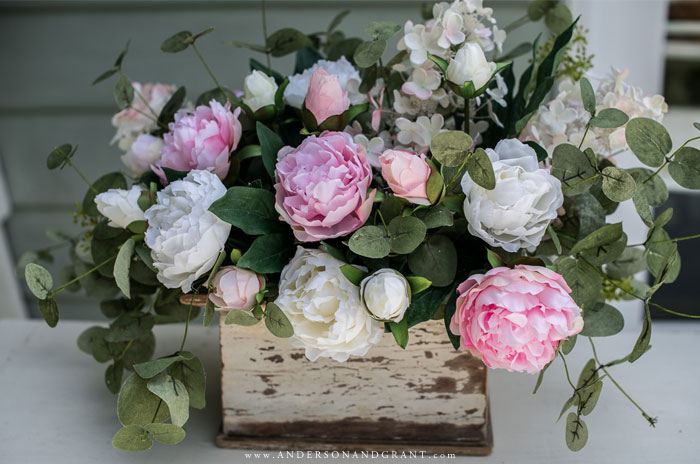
406	234
368	53
382	30
480	169
132	438
177	42
123	92
609	118
169	434
538	8
451	147
641	346
629	263
584	281
433	217
240	317
49	311
618	185
587	95
590	396
113	376
122	265
286	41
191	373
572	167
653	188
659	246
174	394
136	405
277	322
38	280
209	312
602	320
129	326
685	168
370	242
436	260
606	235
568	345
152	368
648	140
59	156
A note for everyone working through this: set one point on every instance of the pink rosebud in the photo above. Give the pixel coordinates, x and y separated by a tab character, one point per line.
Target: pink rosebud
321	188
325	97
235	288
201	140
514	318
407	175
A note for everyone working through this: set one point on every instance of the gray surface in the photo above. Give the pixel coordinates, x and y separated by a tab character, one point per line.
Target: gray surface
56	409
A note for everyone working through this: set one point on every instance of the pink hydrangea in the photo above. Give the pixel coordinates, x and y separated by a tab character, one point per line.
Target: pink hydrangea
321	188
514	318
203	140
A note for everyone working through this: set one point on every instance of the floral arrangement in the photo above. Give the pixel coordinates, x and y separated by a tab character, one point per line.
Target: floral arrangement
357	197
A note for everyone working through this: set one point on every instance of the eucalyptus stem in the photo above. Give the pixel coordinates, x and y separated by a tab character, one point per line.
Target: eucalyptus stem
679	239
668	159
82	176
160	401
72	281
585	133
123	353
145	102
566	369
187	323
264	25
675	313
211	73
466	115
521	21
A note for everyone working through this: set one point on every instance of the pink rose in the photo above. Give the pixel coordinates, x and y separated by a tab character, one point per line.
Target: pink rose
201	140
514	318
235	288
325	97
321	188
407	175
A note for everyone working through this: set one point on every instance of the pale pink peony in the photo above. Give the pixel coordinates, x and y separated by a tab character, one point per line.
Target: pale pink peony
325	97
321	188
407	175
514	318
235	288
202	140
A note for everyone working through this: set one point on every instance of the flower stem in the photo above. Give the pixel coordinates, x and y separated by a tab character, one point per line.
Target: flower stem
82	176
187	323
675	313
521	21
466	115
211	73
264	25
679	239
585	133
72	281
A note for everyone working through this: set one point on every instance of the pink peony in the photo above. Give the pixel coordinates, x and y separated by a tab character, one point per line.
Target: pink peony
201	140
235	288
514	318
325	97
407	175
321	188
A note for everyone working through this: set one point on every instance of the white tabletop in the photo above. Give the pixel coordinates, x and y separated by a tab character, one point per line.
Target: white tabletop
55	408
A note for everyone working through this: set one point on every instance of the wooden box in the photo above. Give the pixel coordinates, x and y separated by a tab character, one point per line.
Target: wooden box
427	397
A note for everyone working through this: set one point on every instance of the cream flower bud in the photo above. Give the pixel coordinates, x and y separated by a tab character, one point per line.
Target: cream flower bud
260	90
386	295
120	206
236	288
470	64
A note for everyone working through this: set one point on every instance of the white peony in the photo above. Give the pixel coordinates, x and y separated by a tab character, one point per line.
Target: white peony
470	64
386	295
516	213
120	206
324	308
185	238
259	89
348	76
143	153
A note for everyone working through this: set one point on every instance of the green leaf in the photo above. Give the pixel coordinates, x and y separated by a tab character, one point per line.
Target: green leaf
122	266
368	53
641	346
655	190
337	20
240	317
345	47
566	406
609	118
169	434
659	246
250	209
113	376
370	242
49	311
426	304
436	260
132	438
177	43
114	180
433	217
418	284
572	167
167	114
136	405
277	322
249	151
286	41
494	259
539	150
268	254
382	30
270	144
406	234
685	168
590	396
123	92
450	309
540	377
576	432
555	239
480	169
400	332
450	147
174	394
618	185
649	140
584	281
568	344
59	156
39	280
105	75
209	311
353	274
191	373
629	263
602	320
606	235
129	326
152	368
587	95
221	95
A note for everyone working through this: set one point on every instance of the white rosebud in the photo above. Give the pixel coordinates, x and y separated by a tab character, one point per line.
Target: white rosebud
386	295
516	213
120	206
185	238
143	153
470	64
259	89
324	308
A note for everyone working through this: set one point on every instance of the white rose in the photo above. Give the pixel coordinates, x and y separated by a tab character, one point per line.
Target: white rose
185	238
143	153
120	206
386	295
516	213
470	64
259	89
348	76
324	308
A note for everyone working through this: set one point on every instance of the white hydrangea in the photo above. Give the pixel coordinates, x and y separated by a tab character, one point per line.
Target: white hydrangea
324	308
120	206
516	213
418	134
348	76
185	238
140	118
